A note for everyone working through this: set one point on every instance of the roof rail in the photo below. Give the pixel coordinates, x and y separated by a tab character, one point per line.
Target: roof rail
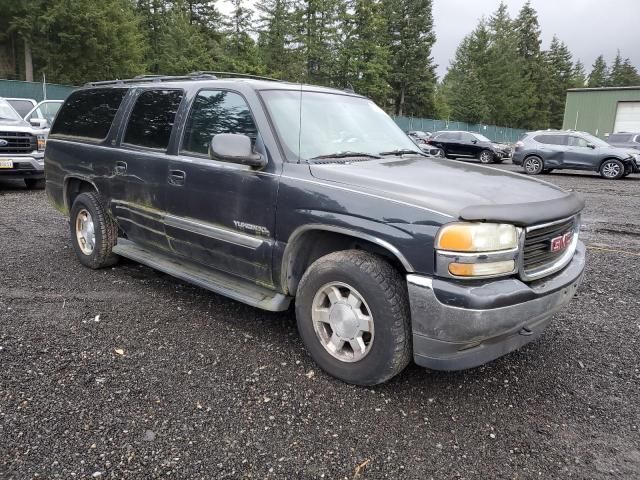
236	75
154	78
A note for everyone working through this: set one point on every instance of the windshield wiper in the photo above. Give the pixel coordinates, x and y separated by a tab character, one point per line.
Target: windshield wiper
346	154
403	151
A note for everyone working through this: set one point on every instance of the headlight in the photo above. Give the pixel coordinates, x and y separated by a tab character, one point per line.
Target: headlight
477	237
42	142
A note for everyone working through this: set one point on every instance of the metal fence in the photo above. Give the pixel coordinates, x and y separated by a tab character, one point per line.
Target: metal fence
492	132
35	90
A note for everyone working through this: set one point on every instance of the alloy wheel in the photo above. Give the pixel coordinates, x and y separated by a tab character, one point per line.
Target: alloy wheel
533	165
611	170
342	321
85	232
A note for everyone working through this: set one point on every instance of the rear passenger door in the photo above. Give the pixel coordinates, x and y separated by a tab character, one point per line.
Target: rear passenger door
140	166
221	214
552	149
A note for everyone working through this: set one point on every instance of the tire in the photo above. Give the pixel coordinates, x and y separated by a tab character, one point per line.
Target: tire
88	209
439	153
533	165
384	302
486	157
612	169
35	184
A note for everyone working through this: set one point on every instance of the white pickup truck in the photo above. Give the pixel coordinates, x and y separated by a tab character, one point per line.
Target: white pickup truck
22	147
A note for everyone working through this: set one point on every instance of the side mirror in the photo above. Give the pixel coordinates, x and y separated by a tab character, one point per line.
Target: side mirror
39	122
591	145
474	141
235	148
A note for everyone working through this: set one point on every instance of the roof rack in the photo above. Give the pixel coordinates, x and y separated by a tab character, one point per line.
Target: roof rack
154	78
236	75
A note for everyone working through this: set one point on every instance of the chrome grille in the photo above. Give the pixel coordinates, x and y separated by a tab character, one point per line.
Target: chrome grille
18	142
537	258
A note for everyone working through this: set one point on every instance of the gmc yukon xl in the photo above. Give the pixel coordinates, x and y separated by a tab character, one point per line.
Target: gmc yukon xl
269	192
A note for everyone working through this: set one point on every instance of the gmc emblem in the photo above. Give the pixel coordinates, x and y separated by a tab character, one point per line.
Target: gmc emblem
561	242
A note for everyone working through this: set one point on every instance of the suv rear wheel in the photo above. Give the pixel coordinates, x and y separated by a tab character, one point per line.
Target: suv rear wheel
93	231
353	316
612	169
533	165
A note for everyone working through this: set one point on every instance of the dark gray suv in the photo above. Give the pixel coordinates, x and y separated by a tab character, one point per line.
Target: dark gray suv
272	192
625	140
545	151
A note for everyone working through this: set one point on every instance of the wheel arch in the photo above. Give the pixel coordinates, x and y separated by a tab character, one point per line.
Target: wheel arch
611	157
310	242
75	185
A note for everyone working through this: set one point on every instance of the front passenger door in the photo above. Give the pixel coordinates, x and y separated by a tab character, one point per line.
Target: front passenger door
221	214
579	155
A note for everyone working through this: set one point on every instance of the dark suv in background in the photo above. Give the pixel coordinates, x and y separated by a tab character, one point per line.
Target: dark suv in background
457	144
625	140
547	150
267	191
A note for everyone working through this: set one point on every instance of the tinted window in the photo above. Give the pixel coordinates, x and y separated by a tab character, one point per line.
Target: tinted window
619	137
89	113
577	142
21	106
467	137
638	139
215	112
551	139
447	137
152	118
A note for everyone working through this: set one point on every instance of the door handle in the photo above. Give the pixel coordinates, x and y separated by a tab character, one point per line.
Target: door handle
121	168
177	177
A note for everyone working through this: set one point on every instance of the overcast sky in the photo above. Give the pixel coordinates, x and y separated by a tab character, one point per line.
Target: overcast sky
588	27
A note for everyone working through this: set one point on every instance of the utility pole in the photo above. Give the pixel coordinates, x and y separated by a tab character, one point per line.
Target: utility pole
28	61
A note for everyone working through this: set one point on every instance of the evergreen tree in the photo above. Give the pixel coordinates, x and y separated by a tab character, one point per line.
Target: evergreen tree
276	31
623	73
599	73
181	46
363	59
240	51
411	38
561	70
535	107
579	77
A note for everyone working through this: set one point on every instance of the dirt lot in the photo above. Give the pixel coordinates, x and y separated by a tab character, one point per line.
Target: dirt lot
128	373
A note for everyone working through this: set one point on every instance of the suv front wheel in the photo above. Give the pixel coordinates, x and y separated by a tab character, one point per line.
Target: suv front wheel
612	169
353	316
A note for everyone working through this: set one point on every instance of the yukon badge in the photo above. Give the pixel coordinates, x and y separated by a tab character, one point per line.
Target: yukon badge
257	229
561	242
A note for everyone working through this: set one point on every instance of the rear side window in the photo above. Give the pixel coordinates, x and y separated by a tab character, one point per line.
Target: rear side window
622	138
89	113
551	139
449	136
215	112
152	118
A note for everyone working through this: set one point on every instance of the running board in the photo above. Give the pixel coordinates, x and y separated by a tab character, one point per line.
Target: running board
216	281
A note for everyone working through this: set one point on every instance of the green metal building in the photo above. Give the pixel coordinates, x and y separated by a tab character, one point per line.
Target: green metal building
602	111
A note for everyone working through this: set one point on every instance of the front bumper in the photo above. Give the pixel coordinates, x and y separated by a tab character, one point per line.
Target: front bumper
456	327
24	166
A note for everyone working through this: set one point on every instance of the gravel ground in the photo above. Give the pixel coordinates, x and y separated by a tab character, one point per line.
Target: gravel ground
129	373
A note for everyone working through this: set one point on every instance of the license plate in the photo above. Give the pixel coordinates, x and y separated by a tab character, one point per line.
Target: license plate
6	163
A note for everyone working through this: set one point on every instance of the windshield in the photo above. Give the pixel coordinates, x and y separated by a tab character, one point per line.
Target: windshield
7	112
314	124
595	140
482	138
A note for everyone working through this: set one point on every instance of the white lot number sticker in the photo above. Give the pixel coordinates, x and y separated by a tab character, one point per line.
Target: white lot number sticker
6	163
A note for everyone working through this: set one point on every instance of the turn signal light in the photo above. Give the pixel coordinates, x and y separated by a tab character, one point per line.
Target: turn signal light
42	142
481	269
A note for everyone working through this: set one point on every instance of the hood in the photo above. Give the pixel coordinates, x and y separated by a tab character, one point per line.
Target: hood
460	190
4	122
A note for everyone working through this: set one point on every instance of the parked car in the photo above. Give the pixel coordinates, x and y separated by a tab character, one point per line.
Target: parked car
548	150
21	148
39	115
267	191
22	105
419	137
457	144
625	140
